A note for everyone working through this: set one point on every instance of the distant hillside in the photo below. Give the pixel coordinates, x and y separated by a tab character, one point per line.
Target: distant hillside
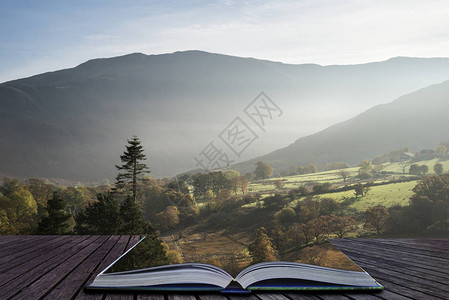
418	120
72	124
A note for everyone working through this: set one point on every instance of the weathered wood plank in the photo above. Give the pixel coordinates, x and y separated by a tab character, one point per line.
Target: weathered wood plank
6	239
435	288
271	296
25	242
402	268
422	284
332	296
301	296
395	250
151	297
25	268
26	255
403	286
407	247
181	297
215	296
76	279
132	241
46	283
120	296
242	297
428	244
118	250
29	277
389	295
379	253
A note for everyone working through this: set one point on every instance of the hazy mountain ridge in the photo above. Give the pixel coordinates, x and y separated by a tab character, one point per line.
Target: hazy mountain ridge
416	120
73	124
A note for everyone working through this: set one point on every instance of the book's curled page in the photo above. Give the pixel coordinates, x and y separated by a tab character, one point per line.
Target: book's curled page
319	267
297	276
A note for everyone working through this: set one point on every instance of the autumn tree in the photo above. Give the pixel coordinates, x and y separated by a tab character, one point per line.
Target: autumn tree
185	203
404	164
360	190
244	183
375	218
249	176
285	215
279	184
318	227
337	166
415	169
310	168
438	168
202	183
341	226
295	233
132	168
278	237
234	180
74	197
308	209
430	202
442	149
343	174
57	220
174	257
41	190
218	182
168	218
17	207
261	249
365	170
424	169
262	171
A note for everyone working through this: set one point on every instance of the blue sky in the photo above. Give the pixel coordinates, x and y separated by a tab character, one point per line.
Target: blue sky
39	36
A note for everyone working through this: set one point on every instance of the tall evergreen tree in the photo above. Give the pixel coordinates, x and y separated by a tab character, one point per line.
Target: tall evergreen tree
132	218
57	221
99	217
133	167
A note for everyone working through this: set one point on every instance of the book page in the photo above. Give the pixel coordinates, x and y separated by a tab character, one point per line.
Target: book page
142	256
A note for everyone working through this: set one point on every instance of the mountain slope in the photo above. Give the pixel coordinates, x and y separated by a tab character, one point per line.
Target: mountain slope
418	120
72	124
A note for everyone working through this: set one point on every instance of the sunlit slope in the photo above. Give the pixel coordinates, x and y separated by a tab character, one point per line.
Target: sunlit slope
417	120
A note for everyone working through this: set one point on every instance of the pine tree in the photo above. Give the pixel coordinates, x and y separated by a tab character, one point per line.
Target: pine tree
132	166
57	221
99	217
132	218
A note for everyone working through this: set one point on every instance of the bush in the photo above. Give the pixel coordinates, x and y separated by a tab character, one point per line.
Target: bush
277	201
286	215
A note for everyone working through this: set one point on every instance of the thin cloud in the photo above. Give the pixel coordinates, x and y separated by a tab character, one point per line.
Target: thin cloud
318	31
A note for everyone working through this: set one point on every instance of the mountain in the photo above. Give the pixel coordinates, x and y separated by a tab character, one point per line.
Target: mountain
73	124
417	120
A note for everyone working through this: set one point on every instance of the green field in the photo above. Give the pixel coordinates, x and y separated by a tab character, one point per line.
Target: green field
386	195
299	180
333	177
397	168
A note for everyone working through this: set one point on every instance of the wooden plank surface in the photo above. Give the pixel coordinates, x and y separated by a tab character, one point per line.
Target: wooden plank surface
59	267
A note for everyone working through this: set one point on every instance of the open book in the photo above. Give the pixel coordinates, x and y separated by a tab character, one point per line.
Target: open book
125	274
